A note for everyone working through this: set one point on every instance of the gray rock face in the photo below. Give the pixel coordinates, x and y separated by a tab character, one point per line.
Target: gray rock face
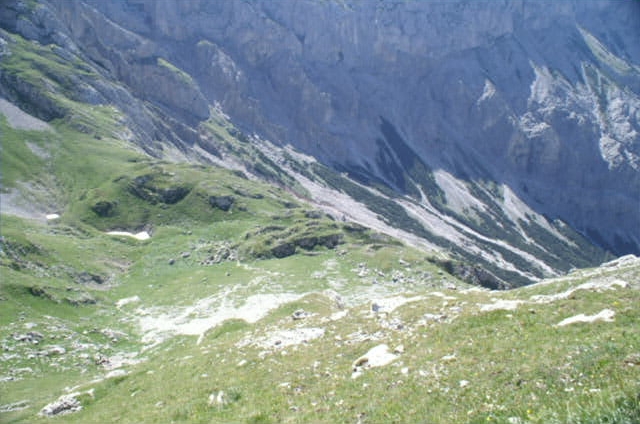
540	97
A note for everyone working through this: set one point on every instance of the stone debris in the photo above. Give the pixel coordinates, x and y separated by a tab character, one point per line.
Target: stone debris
363	336
31	337
158	324
65	404
389	304
392	324
597	285
117	360
594	285
335	298
15	406
605	315
283	338
113	335
622	261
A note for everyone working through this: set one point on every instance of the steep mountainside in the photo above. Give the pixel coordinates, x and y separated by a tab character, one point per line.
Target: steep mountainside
504	132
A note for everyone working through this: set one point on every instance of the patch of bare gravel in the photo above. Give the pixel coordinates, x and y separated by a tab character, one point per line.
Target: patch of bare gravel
21	120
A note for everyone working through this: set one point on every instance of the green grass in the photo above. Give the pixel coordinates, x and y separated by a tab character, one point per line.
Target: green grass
180	74
512	360
516	362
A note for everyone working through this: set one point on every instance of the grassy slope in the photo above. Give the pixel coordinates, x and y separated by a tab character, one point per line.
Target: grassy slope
43	264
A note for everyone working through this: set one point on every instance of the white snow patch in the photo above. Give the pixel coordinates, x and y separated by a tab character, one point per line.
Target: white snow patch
52	216
142	235
605	315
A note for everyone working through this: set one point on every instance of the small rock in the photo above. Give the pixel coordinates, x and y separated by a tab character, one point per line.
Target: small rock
632	359
172	261
56	350
31	337
449	358
15	406
376	357
463	383
217	398
399	349
64	405
185	255
300	314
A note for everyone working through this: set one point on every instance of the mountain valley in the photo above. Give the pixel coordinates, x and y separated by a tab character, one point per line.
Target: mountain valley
319	211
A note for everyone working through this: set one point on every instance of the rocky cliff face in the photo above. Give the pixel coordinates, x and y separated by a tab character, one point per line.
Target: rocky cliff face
469	108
